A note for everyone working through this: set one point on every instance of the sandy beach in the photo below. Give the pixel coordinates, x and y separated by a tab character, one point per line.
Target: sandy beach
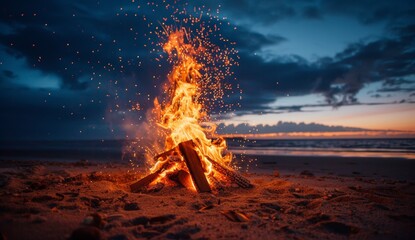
302	198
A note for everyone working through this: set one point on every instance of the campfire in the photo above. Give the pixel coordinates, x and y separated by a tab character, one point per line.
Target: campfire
193	156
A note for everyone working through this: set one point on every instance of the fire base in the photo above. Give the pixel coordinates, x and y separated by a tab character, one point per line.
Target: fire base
193	175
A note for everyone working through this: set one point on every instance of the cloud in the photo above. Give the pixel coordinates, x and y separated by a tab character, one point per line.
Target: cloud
283	127
369	12
303	108
76	40
250	41
261	11
396	89
35	114
393	82
9	74
78	43
86	53
339	78
366	11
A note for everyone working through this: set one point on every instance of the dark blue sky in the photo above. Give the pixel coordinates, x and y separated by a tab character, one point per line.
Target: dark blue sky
74	69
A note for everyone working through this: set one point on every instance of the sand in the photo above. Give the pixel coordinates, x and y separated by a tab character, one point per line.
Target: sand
298	199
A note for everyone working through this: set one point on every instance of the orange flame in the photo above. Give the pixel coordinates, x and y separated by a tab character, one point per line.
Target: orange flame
183	116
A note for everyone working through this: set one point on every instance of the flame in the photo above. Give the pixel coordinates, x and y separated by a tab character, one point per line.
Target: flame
184	116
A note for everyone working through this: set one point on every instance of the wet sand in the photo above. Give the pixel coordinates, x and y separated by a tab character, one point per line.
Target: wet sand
298	198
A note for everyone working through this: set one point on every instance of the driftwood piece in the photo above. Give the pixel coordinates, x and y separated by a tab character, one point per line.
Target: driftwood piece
144	182
194	165
231	174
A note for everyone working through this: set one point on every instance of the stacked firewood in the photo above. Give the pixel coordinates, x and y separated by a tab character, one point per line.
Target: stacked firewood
192	174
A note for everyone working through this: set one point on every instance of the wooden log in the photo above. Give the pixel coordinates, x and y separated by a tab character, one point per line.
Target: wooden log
194	165
217	185
185	179
144	182
165	154
231	174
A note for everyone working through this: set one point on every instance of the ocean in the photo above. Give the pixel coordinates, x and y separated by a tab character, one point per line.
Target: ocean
385	148
112	150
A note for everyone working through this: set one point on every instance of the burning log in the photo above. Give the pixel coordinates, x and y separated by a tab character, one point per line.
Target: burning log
166	154
231	174
194	165
144	182
197	176
185	179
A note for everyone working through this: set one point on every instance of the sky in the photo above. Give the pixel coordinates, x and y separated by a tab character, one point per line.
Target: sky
79	69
